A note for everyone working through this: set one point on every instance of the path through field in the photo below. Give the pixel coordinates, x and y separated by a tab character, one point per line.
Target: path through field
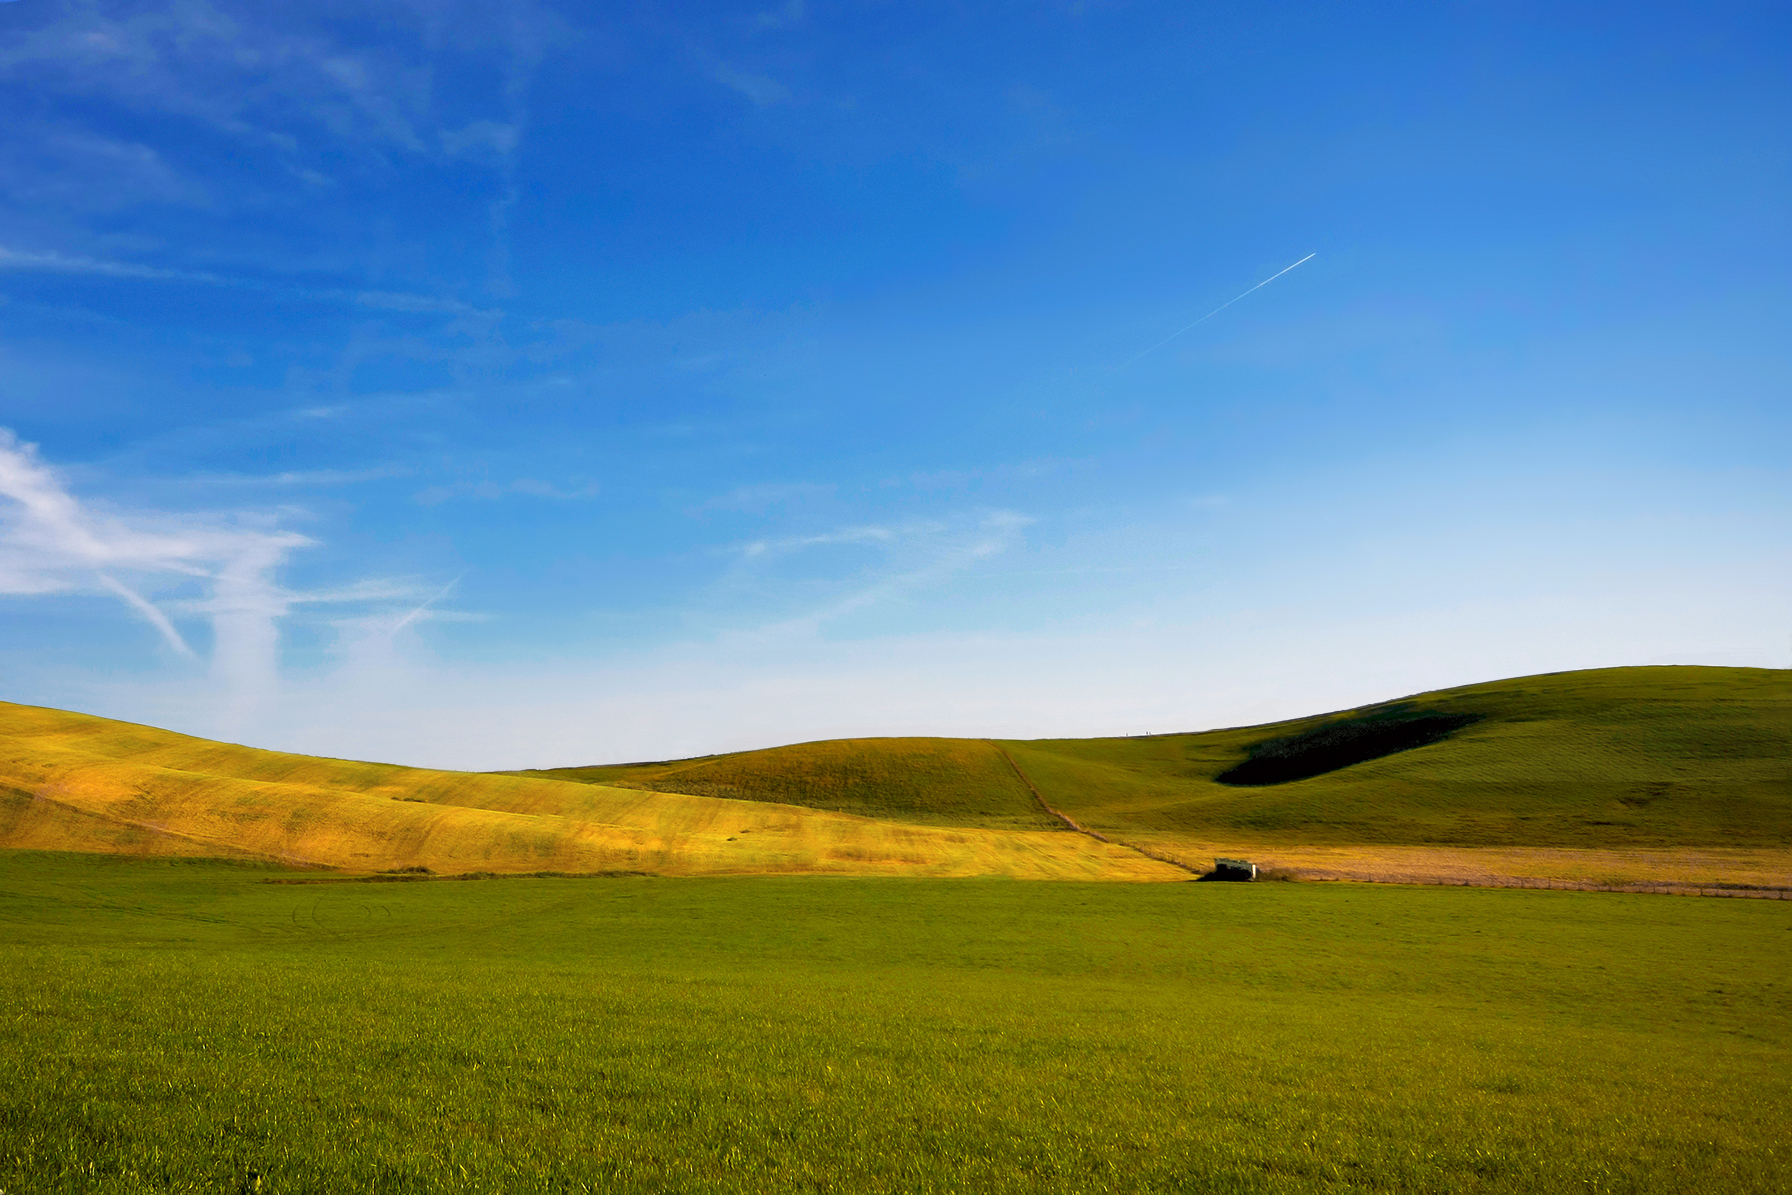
1080	829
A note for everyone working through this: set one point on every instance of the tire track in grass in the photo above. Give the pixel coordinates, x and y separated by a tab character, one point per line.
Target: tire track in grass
1074	825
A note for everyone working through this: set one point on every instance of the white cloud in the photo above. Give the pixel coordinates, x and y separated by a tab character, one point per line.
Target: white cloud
51	542
761	548
49	536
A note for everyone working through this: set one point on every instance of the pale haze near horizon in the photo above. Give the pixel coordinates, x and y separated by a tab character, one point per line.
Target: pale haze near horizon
530	389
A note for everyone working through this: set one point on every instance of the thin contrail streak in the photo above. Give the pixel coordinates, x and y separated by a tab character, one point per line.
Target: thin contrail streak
408	619
1172	336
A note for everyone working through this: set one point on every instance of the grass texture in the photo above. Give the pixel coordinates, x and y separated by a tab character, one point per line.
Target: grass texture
1695	762
1617	758
176	1025
1612	758
74	782
951	782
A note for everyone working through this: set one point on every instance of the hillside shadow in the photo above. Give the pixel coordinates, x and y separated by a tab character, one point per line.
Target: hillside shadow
1387	730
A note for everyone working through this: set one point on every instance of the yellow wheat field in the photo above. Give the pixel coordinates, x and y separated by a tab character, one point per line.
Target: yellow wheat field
75	782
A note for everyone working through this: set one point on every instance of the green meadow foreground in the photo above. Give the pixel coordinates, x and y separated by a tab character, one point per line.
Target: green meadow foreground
183	1025
834	978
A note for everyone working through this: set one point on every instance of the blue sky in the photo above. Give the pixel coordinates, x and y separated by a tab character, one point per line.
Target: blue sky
525	385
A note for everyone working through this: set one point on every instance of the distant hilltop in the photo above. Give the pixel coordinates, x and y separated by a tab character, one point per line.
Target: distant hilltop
1610	759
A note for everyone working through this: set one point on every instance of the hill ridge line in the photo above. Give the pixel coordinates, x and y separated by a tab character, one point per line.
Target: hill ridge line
1081	829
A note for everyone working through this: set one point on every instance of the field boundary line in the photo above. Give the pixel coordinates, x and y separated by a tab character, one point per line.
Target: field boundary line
1716	888
1073	824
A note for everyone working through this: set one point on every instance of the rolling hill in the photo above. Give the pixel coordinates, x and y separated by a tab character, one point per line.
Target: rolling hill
936	782
78	783
1611	758
1625	776
1623	757
1625	764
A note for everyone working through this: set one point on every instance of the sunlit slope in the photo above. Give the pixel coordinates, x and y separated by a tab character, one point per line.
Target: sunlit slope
1620	757
74	782
954	782
1611	758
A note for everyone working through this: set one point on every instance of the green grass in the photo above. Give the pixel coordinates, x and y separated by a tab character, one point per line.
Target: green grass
949	782
1619	757
180	1026
1609	758
1677	758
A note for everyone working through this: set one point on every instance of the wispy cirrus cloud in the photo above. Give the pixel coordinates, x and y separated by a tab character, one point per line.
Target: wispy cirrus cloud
57	161
269	107
53	543
528	486
762	90
49	261
481	140
768	548
764	497
50	542
302	477
244	70
910	558
416	304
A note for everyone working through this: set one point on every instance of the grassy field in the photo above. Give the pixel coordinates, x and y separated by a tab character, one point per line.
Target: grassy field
1643	776
178	1025
1609	758
815	1007
1636	775
1621	757
950	782
74	782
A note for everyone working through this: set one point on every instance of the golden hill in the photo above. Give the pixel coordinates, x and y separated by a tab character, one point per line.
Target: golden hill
80	783
1640	774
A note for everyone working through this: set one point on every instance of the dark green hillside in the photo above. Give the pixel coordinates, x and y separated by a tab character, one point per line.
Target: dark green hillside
1677	756
953	782
1615	757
